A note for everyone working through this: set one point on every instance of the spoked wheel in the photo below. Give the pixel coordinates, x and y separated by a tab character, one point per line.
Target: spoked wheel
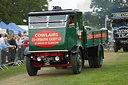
115	47
77	63
98	60
32	71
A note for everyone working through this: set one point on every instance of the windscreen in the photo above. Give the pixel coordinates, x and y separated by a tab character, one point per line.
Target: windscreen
117	23
120	22
54	21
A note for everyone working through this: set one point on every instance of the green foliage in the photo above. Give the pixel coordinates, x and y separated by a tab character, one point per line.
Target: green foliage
91	19
101	8
17	10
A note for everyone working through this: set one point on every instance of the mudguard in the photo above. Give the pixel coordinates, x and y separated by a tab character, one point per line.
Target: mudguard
26	51
75	49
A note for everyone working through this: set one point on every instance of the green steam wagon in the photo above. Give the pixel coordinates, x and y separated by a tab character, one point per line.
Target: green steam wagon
57	38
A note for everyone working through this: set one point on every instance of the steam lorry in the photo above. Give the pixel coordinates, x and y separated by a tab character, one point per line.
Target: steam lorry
57	38
119	19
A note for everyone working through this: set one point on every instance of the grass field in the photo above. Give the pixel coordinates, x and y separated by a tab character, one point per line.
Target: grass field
113	72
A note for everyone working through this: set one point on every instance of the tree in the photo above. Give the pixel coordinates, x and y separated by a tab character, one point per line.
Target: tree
101	8
17	10
90	19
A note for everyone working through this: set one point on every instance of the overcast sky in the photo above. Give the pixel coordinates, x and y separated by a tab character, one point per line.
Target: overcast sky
82	5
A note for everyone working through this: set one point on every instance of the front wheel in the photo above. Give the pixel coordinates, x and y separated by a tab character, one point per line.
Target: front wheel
32	71
125	49
77	63
115	47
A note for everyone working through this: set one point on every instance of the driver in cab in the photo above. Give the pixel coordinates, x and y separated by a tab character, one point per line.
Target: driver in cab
71	21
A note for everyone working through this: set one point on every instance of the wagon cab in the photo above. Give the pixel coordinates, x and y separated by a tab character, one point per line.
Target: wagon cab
51	30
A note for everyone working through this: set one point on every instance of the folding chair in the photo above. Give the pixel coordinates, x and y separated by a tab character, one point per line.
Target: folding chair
1	68
18	62
5	66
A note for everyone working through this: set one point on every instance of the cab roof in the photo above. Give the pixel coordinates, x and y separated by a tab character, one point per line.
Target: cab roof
54	12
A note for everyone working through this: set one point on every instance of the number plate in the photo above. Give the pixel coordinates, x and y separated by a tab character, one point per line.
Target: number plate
48	58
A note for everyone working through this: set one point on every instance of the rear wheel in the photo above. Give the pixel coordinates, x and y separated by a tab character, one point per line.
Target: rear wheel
76	60
91	62
32	71
98	60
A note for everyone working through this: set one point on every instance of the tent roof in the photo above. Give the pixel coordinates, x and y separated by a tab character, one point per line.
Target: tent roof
15	28
13	25
18	27
5	26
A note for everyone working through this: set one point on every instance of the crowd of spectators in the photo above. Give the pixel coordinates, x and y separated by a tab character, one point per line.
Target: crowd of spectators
12	47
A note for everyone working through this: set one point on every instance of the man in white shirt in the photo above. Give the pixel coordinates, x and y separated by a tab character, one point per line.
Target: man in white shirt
24	36
2	37
1	40
20	47
0	54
